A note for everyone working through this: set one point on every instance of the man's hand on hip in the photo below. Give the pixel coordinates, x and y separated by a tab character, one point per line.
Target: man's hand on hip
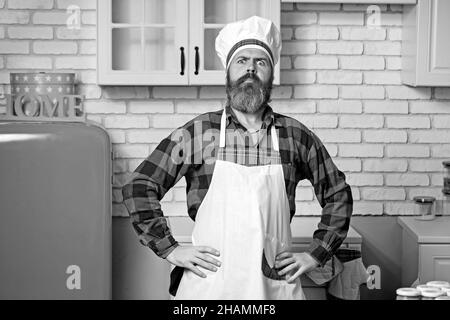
294	264
190	257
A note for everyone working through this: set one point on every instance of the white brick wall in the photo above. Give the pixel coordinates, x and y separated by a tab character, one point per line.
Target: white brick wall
385	136
30	32
26	4
339	77
55	47
354	33
316	32
49	17
361	63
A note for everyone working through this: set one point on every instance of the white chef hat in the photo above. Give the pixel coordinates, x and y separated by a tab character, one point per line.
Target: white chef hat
254	32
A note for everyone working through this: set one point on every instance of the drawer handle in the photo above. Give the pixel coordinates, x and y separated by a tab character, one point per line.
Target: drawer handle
197	60
182	60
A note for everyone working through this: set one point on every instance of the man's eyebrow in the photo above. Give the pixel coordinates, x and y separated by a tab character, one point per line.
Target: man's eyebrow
247	57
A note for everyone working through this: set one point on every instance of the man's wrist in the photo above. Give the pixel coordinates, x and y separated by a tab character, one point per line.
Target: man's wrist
317	263
319	254
169	250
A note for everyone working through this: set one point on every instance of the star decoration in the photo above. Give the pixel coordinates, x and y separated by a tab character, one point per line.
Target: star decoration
48	78
59	78
25	78
49	89
27	89
59	89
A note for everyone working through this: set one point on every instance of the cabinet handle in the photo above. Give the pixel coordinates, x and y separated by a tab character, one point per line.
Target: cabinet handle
182	60
197	60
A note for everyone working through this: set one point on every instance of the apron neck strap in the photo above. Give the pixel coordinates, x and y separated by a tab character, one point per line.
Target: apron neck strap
223	123
274	135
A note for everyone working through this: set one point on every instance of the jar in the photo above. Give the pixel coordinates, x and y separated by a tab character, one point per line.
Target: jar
438	284
446	289
421	287
431	294
408	294
446	175
445	202
424	208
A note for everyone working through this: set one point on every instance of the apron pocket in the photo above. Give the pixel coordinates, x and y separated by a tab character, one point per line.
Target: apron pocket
269	272
276	286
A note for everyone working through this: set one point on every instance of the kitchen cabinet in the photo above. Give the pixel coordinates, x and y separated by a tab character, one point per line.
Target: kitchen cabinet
168	42
425	250
425	46
141	42
302	231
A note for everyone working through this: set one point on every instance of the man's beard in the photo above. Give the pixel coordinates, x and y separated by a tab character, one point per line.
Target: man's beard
248	97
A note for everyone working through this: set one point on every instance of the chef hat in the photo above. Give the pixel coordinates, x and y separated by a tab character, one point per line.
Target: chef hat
254	32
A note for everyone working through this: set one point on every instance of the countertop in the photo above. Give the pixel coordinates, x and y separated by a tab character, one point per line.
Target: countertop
302	230
433	231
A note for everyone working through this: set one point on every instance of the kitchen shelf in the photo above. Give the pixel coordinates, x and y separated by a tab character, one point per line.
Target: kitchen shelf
434	231
302	230
355	1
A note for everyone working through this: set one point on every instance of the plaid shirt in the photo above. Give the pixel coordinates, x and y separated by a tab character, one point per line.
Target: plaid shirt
190	152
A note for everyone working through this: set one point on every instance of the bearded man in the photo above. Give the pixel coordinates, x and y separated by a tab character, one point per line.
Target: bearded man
243	201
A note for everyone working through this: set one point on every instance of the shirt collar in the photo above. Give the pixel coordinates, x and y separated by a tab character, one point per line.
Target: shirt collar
269	117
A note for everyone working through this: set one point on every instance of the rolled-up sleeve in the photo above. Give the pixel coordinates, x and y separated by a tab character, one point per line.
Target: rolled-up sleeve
335	198
144	190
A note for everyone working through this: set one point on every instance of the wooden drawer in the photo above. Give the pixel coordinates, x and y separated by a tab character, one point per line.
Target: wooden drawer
434	262
425	250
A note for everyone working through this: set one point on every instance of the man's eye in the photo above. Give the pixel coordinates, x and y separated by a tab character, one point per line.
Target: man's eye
240	61
261	63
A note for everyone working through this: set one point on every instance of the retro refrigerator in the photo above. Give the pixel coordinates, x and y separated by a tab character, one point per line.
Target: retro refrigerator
55	210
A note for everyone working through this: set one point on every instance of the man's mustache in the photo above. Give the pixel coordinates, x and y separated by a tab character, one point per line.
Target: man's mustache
248	76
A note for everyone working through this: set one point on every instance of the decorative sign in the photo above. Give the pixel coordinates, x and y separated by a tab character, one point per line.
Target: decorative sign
43	97
32	107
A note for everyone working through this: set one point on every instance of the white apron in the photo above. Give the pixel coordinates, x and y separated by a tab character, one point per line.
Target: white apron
244	214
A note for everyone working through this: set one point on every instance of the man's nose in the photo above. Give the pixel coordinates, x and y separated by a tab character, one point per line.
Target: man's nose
251	67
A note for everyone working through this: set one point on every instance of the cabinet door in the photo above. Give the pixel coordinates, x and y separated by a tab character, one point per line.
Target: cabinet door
434	58
206	20
434	262
425	45
141	42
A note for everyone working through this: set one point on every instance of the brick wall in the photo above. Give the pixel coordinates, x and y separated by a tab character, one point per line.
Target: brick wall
339	77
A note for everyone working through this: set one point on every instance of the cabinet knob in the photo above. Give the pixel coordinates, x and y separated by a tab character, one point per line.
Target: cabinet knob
182	61
197	60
